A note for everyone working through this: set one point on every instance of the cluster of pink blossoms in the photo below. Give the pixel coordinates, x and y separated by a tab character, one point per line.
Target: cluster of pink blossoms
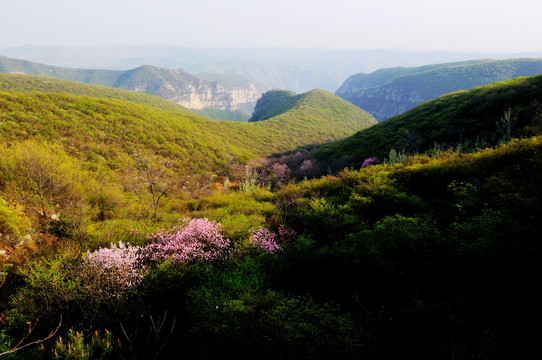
194	239
280	171
370	161
265	240
116	269
268	241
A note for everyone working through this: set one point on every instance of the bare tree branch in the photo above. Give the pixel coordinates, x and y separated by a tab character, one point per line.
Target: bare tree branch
31	327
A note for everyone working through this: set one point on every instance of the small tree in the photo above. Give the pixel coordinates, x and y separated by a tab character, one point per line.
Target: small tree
151	184
109	274
40	172
506	124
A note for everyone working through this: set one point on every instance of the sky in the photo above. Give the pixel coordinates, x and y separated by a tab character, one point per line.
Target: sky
460	25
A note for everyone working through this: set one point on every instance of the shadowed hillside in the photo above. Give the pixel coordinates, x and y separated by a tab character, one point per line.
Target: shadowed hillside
467	116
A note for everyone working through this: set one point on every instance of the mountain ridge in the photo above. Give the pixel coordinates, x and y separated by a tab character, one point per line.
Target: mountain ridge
174	85
389	92
33	83
468	116
103	126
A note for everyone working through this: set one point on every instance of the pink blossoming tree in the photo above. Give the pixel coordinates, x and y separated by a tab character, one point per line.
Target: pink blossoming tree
112	272
265	240
194	239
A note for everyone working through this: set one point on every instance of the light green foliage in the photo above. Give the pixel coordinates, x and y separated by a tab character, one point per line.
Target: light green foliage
395	157
249	183
238	212
210	113
42	173
30	83
13	223
52	279
106	133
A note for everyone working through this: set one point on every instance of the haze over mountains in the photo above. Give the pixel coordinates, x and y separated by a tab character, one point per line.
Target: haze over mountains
298	70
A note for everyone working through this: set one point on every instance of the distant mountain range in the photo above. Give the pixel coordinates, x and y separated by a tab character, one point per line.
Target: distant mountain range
389	92
222	93
298	70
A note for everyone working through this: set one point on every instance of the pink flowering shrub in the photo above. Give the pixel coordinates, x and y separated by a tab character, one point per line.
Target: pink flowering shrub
280	172
289	167
194	239
265	240
112	272
306	166
369	161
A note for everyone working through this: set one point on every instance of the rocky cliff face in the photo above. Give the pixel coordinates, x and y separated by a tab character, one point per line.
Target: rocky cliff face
191	91
386	101
389	92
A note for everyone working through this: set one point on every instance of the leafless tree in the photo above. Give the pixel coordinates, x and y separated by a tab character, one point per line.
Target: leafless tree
151	185
156	338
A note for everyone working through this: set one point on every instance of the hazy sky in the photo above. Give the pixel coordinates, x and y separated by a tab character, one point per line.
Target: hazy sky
467	25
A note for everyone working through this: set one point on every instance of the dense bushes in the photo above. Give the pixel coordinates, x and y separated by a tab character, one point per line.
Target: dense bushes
433	257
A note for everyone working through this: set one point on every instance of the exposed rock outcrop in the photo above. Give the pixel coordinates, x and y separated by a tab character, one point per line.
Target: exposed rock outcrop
189	90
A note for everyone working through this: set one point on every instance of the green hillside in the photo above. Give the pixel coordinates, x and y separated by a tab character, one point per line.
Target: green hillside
238	95
386	75
92	128
466	116
31	83
389	92
88	76
317	107
130	232
273	103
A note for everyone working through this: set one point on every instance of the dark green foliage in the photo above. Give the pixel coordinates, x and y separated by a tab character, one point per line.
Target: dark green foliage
273	103
273	326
